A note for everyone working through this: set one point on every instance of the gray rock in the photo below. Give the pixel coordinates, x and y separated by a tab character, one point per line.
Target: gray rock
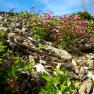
82	72
90	75
74	63
90	56
3	28
41	69
63	54
86	87
42	62
90	63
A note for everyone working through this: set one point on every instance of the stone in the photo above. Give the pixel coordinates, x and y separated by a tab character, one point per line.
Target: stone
42	61
76	69
1	17
40	68
3	28
82	72
86	87
74	63
90	56
90	75
63	54
90	63
93	91
31	59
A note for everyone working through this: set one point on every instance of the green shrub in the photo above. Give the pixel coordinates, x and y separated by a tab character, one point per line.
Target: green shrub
85	15
91	26
59	83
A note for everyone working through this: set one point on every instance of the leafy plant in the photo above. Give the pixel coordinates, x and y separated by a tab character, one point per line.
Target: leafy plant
12	72
42	46
59	83
15	67
2	48
18	66
85	15
2	43
91	26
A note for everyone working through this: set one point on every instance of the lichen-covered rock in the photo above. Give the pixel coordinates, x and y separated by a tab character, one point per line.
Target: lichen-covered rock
63	54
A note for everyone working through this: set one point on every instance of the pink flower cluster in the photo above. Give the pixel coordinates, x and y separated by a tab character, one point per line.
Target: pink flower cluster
69	26
57	33
47	17
60	27
74	25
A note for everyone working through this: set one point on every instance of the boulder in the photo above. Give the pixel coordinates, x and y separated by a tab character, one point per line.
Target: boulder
60	53
86	87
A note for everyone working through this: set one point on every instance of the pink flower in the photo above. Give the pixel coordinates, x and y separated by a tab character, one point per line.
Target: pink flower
57	33
84	23
45	22
76	17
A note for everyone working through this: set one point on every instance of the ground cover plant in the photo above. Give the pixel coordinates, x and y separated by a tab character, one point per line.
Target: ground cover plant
24	54
59	84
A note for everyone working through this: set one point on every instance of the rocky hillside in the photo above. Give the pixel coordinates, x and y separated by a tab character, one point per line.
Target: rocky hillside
31	64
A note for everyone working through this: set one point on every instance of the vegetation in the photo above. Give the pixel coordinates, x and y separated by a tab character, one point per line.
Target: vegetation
59	83
60	31
85	15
